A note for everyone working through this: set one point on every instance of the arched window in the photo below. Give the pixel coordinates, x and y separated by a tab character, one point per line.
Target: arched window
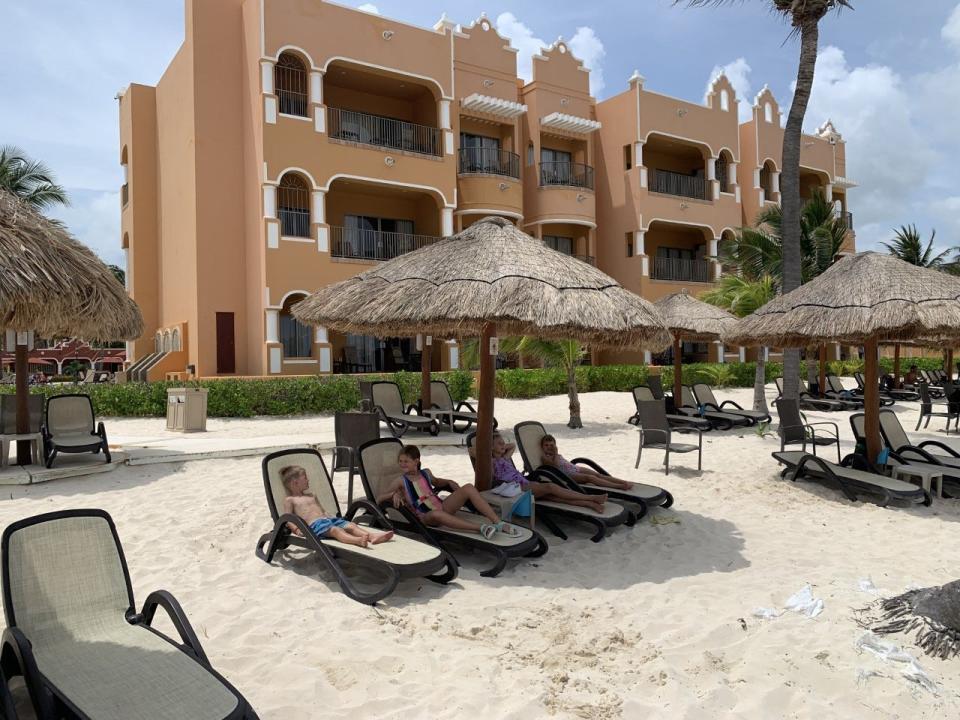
293	204
157	343
175	340
766	179
723	170
768	112
724	100
167	347
295	337
290	81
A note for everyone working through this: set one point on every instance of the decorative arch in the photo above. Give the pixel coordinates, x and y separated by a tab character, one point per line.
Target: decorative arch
767	170
723	164
291	83
293	205
435	85
381	181
175	344
296	50
295	337
300	171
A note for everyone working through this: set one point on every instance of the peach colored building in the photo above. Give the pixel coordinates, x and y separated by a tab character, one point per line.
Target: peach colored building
290	145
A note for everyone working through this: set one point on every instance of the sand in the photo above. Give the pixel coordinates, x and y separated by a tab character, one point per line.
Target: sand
655	621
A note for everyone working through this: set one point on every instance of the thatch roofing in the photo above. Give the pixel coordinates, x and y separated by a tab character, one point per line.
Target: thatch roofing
54	285
860	297
693	319
490	272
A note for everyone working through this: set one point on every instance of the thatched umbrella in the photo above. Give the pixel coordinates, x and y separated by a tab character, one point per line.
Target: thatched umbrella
693	320
490	278
863	299
55	286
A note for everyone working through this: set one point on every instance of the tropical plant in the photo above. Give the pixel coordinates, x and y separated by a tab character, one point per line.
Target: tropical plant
29	180
564	354
720	375
908	246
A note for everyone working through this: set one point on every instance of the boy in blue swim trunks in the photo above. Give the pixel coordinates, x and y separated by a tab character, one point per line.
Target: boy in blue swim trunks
304	504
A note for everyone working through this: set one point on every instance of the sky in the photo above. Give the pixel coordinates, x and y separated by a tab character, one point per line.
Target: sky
888	76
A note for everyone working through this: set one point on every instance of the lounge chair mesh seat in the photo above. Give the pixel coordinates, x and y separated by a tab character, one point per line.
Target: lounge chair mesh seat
720	420
529	434
440	399
388	402
704	395
644	392
70	427
379	469
656	433
896	438
67	594
398	559
794	428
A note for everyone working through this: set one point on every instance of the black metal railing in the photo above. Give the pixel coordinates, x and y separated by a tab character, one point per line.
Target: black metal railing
384	132
723	175
291	84
294	222
375	244
847	219
674	183
569	174
489	161
681	270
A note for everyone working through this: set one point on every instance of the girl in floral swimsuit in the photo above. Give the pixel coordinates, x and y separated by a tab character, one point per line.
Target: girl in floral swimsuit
577	473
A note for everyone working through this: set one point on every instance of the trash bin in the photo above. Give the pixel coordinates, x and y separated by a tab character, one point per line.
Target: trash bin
187	409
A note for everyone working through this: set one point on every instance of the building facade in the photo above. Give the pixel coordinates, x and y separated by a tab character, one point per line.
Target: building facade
290	145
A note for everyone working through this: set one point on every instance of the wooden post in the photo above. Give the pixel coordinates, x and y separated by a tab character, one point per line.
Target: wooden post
871	399
677	373
484	466
950	365
822	379
425	358
896	365
24	456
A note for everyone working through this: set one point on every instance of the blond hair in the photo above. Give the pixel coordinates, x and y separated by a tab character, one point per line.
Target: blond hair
290	473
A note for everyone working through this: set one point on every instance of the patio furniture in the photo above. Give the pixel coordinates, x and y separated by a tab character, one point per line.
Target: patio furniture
655	433
8	427
69	428
794	428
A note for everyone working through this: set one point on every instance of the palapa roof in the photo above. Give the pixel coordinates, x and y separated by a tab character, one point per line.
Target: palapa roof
863	296
693	319
490	272
54	285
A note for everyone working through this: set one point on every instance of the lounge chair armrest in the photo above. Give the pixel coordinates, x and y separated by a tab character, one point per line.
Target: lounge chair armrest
907	450
690	431
369	507
162	598
644	432
936	443
711	406
464	404
836	429
589	463
21	647
730	402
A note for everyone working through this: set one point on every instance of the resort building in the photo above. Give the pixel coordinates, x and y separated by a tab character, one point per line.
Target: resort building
290	145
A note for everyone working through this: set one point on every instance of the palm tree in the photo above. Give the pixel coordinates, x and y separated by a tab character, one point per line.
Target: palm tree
908	246
742	297
566	354
804	17
29	180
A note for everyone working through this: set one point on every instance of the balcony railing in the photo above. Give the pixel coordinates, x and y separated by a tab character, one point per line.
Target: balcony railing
294	222
489	161
384	132
375	244
681	270
673	183
568	174
847	219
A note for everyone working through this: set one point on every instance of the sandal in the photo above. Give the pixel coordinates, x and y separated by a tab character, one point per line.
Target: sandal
511	531
487	530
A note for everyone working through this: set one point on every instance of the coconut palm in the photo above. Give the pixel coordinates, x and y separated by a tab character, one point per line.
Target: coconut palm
565	354
29	180
804	17
742	297
908	246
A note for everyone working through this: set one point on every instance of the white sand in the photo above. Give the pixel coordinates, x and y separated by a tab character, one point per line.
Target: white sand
656	621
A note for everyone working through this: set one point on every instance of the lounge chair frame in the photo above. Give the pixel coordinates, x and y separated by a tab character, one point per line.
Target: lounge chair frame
98	438
641	393
708	400
894	394
400	422
535	546
441	570
667	434
16	655
809	402
719	420
926	409
797	429
464	412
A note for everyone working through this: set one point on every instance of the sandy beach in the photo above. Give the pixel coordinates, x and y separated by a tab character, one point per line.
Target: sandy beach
656	621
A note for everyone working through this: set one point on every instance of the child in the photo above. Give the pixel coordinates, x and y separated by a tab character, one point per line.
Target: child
577	473
305	505
417	487
505	471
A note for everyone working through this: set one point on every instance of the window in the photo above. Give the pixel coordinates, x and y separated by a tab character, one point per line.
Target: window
548	155
295	337
290	81
293	205
530	154
768	112
629	238
480	154
559	243
627	157
724	100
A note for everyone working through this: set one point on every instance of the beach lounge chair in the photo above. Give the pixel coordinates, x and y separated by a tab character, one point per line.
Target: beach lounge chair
705	398
950	411
75	635
529	435
388	402
548	511
936	390
902	395
794	428
464	412
642	392
351	430
655	432
398	559
70	428
379	470
809	402
8	426
717	419
837	391
851	481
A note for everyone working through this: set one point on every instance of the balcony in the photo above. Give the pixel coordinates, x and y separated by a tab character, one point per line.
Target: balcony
489	161
673	183
294	222
680	270
359	244
383	132
566	174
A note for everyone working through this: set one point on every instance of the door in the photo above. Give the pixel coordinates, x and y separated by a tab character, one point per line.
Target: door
226	352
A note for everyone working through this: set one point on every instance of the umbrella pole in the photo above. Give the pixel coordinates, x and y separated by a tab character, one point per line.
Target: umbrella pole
425	358
823	369
896	365
23	409
485	410
871	399
677	373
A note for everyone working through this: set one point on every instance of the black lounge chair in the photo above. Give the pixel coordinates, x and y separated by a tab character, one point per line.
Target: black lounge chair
850	480
75	636
895	394
705	398
809	402
379	470
388	402
463	413
642	393
951	411
933	383
70	427
351	430
837	391
529	434
655	433
794	428
547	511
397	559
717	419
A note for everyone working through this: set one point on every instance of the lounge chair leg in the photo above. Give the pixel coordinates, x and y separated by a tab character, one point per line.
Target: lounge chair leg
540	550
601	532
642	512
552	526
668	502
919	420
631	519
453	569
666	462
639	453
497	567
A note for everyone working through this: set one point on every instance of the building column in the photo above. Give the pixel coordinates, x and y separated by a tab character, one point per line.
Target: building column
640	251
714	184
647	357
714	251
732	180
316	101
446	222
592	243
269	93
453	354
828	192
444	111
324	352
273	326
270	216
638	160
318	215
720	351
743	354
775	186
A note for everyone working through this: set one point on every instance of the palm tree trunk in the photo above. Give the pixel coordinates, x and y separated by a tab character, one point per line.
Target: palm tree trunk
790	184
759	383
574	421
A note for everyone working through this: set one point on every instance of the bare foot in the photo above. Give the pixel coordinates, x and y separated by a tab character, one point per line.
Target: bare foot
381	537
625	485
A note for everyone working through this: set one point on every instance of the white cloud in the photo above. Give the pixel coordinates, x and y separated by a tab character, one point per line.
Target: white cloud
370	8
93	217
951	29
586	46
738	73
